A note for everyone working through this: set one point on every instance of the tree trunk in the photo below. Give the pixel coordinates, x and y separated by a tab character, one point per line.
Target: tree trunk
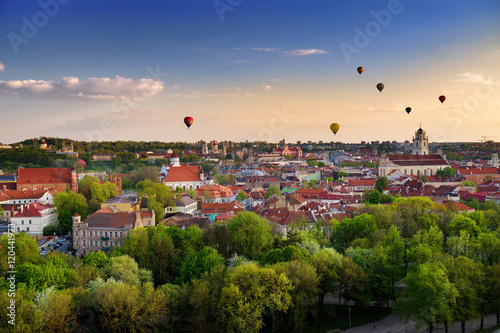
462	324
445	327
431	328
321	298
482	323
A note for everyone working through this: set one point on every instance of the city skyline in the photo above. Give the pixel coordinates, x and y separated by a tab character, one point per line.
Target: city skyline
256	71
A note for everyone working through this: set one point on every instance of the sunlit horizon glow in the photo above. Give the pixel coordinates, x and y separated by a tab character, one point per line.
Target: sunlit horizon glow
266	71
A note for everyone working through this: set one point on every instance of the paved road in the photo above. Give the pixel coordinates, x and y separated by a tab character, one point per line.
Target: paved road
392	324
63	248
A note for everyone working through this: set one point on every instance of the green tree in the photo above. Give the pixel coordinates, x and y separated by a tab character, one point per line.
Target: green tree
122	268
241	196
24	247
272	190
428	297
324	263
381	183
200	262
222	179
175	297
238	163
250	234
445	173
467	277
68	203
304	280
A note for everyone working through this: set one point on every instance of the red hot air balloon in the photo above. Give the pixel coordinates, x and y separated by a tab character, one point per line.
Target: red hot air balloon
380	87
442	98
188	121
360	70
82	162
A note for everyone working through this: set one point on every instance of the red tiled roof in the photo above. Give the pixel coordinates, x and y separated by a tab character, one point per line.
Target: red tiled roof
110	220
146	214
417	160
44	176
217	191
478	171
183	173
32	210
221	208
361	182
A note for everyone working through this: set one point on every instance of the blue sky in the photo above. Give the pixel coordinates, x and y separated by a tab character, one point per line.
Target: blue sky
133	70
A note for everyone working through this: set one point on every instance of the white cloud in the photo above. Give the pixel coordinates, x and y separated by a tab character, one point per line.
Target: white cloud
473	78
241	61
93	88
275	80
302	52
267	86
2	67
177	86
265	49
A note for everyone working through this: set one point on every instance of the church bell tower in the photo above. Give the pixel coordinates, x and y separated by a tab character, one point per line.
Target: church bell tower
420	145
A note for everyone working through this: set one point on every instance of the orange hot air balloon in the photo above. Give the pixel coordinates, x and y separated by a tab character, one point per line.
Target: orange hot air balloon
335	128
360	70
442	98
408	110
380	87
188	121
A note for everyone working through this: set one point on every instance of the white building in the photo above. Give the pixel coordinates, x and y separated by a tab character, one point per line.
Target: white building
420	145
185	204
183	176
33	217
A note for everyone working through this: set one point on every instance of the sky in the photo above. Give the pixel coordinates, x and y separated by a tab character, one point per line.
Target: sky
257	70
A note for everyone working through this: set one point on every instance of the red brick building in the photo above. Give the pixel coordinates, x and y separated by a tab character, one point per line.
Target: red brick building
44	179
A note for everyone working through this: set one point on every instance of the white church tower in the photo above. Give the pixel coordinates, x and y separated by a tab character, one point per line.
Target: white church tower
420	145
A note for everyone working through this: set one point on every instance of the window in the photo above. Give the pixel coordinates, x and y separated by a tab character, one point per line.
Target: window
29	221
110	243
101	243
83	242
100	233
83	234
105	234
28	229
76	243
116	234
22	221
90	233
76	234
91	243
121	233
106	243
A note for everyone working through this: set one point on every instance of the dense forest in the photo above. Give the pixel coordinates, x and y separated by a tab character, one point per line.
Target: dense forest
431	263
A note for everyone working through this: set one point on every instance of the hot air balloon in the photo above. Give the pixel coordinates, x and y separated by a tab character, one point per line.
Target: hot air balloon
188	121
360	70
82	162
380	87
442	98
408	110
335	128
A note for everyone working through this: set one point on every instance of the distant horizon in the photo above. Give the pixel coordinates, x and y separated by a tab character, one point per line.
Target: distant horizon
269	143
